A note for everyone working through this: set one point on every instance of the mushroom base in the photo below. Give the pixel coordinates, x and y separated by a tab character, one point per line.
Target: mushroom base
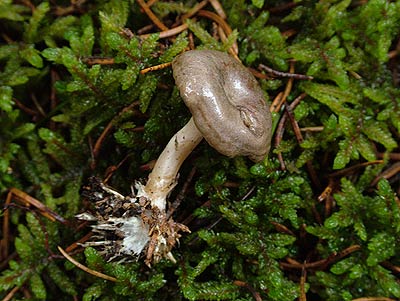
127	227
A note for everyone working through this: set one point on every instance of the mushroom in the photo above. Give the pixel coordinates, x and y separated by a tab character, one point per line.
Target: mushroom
228	111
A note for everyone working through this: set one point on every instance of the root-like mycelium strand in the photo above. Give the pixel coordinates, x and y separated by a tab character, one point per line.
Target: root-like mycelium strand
127	226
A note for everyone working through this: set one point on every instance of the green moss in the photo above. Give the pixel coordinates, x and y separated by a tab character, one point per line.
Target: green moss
64	78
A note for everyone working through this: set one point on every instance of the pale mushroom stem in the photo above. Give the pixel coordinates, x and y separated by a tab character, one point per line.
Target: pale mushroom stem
162	179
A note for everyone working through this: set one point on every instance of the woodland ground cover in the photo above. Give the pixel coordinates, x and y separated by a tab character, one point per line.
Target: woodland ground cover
319	219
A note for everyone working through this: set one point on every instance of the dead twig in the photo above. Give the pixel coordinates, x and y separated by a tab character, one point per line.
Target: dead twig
156	67
194	10
151	15
320	264
179	198
98	61
373	299
303	278
85	268
106	132
27	201
224	25
167	33
393	170
218	8
282	228
299	136
255	294
351	169
11	294
277	105
284	74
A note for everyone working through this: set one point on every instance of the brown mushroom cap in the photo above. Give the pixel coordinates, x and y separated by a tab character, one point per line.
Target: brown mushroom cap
226	102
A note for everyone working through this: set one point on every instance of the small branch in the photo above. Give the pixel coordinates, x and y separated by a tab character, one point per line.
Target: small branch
255	294
303	278
320	264
98	61
282	228
156	67
24	108
280	130
277	105
393	170
105	133
284	74
167	33
151	15
220	21
373	299
84	268
11	294
181	195
312	129
194	10
218	8
283	7
351	169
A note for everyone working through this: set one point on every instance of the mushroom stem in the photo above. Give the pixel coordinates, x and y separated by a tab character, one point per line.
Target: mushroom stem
162	179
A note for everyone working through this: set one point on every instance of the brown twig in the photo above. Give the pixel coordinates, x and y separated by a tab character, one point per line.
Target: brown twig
216	18
283	7
303	278
75	245
351	169
327	191
151	15
280	130
106	131
27	201
392	267
194	10
98	61
391	156
282	228
156	67
227	30
276	106
218	8
312	129
167	33
24	108
320	264
259	74
234	50
151	2
179	198
299	137
75	6
11	294
85	268
393	170
284	74
373	299
37	105
255	294
276	103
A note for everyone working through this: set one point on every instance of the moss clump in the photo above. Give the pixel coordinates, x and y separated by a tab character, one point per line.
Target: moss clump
319	219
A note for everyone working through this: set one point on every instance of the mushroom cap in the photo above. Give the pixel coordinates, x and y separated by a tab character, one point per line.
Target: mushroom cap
226	102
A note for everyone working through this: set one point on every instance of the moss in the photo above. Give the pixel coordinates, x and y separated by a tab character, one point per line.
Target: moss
71	74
